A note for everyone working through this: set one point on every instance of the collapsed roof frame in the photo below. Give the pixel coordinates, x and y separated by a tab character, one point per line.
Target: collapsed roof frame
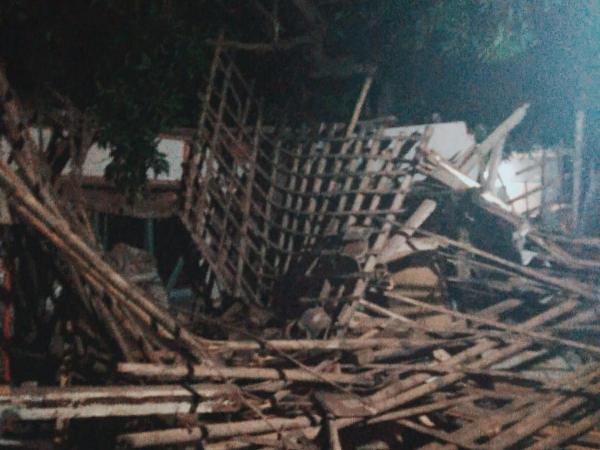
254	198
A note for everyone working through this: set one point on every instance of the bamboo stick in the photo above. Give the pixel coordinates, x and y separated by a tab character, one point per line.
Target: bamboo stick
58	230
304	344
567	284
181	372
577	429
494	323
214	431
244	442
577	168
397	243
116	401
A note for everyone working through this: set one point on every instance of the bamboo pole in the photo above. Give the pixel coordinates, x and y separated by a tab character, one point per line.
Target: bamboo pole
364	91
489	183
577	429
245	441
304	344
514	329
178	436
398	243
418	385
58	231
577	168
543	415
182	372
78	402
471	157
569	285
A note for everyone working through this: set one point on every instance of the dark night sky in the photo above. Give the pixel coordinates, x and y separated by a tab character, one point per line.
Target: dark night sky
459	87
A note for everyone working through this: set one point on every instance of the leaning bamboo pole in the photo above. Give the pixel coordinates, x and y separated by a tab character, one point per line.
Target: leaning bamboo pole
577	169
87	261
518	330
576	429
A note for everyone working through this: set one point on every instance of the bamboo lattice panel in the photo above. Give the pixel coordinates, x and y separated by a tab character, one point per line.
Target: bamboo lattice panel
254	199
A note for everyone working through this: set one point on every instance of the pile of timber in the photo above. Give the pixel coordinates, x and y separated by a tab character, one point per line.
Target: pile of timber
477	351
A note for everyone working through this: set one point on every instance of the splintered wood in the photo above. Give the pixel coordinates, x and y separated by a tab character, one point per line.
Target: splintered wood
376	300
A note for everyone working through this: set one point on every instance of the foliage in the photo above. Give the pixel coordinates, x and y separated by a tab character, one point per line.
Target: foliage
492	30
134	67
454	56
146	95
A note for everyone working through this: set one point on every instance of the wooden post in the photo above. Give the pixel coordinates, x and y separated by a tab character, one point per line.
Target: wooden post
489	184
149	236
246	207
577	167
105	228
172	281
366	87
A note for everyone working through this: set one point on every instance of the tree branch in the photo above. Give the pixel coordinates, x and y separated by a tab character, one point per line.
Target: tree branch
265	46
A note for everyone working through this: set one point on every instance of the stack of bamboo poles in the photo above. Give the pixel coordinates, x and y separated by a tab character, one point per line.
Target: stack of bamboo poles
131	313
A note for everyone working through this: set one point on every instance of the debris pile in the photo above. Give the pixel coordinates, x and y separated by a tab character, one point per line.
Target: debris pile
377	297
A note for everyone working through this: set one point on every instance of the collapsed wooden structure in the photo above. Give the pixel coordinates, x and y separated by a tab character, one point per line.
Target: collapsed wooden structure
255	199
308	231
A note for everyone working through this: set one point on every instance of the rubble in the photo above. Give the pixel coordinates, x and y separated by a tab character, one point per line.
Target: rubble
362	304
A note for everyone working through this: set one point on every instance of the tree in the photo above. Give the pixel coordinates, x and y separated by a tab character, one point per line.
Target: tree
119	72
115	72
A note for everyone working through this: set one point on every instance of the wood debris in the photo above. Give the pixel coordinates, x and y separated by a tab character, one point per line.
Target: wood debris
367	308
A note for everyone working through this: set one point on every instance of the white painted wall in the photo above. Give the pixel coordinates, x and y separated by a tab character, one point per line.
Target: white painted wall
521	173
447	139
99	157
